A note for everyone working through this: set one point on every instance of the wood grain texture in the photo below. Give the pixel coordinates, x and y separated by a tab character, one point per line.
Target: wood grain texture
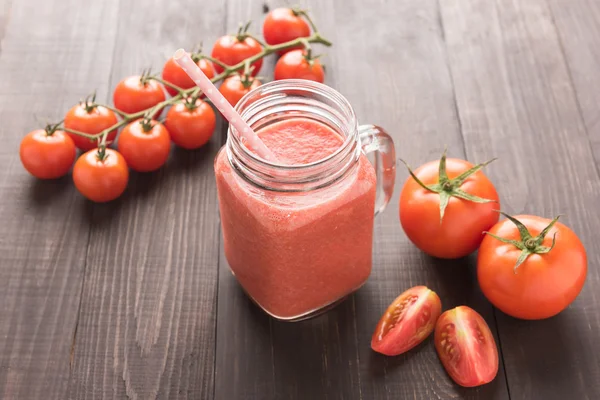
516	102
404	86
147	320
578	25
46	66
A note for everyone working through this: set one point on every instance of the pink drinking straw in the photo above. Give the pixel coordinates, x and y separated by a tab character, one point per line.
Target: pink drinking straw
184	60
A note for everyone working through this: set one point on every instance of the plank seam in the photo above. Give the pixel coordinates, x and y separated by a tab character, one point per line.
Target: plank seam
460	127
572	83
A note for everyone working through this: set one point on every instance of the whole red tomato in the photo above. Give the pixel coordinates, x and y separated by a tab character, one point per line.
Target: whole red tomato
296	65
231	50
145	145
466	347
446	214
191	123
174	74
90	119
408	321
101	179
533	272
282	25
47	154
236	86
135	94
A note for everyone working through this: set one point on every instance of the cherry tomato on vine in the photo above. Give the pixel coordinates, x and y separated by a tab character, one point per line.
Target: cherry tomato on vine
174	74
282	25
236	86
191	123
408	321
531	267
446	205
47	153
90	119
466	347
101	180
145	145
296	65
136	93
232	49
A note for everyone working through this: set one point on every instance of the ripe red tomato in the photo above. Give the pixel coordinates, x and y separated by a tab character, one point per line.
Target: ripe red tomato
101	180
235	87
294	65
174	74
133	94
191	125
231	50
282	25
145	145
90	120
408	321
546	282
460	231
46	154
466	347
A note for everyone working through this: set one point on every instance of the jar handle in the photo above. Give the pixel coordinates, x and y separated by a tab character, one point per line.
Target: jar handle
374	139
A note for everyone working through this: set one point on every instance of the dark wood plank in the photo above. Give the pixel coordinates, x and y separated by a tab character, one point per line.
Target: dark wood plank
46	65
516	102
409	92
147	319
578	25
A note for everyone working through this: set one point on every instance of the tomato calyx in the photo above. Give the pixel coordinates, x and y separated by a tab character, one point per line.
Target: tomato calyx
146	77
89	103
528	244
447	187
242	32
51	128
190	103
146	124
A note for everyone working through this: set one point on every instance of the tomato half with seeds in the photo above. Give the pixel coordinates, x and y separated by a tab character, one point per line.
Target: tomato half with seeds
466	347
408	321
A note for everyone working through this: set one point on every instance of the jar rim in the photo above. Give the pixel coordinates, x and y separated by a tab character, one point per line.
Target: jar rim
295	84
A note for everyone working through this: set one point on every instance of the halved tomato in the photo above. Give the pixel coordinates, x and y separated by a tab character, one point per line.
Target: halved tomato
407	321
466	347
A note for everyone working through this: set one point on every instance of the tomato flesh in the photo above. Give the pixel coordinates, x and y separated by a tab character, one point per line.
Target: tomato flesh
466	347
408	321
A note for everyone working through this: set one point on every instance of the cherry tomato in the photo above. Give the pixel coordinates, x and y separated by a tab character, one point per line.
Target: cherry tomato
90	120
460	231
466	347
191	125
548	279
133	95
408	321
231	50
282	25
145	145
294	65
101	180
46	154
174	74
234	88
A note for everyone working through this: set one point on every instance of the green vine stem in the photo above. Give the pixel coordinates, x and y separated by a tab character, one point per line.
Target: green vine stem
90	101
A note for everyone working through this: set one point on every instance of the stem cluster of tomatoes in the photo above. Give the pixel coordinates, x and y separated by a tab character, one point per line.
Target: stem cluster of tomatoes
101	173
527	266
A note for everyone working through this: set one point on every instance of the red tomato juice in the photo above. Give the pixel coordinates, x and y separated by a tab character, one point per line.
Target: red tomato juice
295	253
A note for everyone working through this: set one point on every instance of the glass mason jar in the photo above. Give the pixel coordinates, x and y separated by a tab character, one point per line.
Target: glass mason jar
298	238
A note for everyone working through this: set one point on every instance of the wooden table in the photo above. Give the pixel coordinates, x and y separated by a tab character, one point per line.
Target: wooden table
134	299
